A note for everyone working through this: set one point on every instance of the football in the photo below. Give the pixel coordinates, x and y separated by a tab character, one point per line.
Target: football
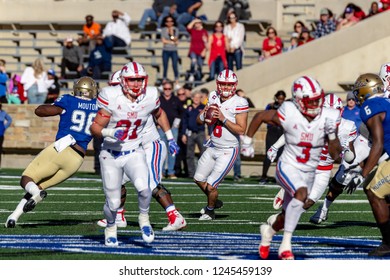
209	117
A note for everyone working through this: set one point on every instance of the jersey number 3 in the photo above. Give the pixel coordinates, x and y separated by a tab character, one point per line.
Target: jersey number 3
306	147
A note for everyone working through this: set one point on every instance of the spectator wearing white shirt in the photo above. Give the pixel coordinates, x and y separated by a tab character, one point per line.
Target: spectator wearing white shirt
235	33
117	31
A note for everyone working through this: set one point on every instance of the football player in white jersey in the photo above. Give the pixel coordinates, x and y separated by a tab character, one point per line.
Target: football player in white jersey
307	126
156	153
384	74
347	134
223	145
124	111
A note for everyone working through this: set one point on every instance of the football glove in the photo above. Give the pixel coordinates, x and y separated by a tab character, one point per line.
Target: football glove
348	156
247	147
354	183
173	147
272	153
330	128
118	133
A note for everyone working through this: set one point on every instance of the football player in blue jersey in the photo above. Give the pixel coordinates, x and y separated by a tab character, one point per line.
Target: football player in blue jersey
375	113
63	158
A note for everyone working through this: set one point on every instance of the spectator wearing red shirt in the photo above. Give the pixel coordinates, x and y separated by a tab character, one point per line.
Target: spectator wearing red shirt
217	47
272	45
197	52
385	5
305	37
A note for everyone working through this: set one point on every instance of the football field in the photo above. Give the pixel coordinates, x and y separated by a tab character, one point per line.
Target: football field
64	225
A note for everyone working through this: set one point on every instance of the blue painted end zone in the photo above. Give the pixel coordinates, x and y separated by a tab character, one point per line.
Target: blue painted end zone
205	245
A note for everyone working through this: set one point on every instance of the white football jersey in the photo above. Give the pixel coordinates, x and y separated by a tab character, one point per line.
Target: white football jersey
124	113
150	132
304	139
346	133
221	137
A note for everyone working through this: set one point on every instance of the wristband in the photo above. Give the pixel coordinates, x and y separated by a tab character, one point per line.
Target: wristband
169	134
224	121
332	136
201	117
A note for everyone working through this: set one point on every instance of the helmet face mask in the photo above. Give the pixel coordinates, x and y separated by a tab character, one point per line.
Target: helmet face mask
226	83
366	86
130	74
308	96
85	88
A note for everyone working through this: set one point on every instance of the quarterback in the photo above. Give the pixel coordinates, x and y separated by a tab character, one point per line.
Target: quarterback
223	146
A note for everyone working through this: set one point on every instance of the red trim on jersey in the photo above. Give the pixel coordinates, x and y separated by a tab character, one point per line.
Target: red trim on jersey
325	168
282	117
242	108
102	101
313	88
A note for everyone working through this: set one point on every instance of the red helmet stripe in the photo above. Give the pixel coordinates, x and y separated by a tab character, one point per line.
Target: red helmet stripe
331	101
135	68
313	88
227	74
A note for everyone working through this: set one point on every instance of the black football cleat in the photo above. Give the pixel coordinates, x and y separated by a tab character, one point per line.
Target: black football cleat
10	223
382	250
32	202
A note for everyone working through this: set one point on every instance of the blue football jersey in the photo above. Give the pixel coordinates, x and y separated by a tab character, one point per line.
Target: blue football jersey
374	106
76	118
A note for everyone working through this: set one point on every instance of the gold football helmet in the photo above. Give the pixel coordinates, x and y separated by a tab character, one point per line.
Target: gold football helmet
366	86
85	87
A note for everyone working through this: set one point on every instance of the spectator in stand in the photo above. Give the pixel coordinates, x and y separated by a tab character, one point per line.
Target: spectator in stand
72	58
3	82
352	110
168	11
326	24
36	82
174	110
154	13
5	122
272	45
99	59
16	91
385	5
240	7
170	40
204	95
217	48
181	167
298	27
117	31
186	10
374	9
293	44
347	19
273	134
198	48
235	34
54	90
241	93
305	37
91	30
358	12
192	132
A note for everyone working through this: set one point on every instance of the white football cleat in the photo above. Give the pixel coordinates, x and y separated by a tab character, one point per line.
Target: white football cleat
278	200
146	228
110	236
176	221
120	220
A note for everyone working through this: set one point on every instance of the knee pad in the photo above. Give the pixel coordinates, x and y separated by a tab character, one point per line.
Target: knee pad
140	184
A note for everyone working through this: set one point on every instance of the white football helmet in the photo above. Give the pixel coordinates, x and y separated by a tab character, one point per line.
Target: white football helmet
85	88
133	70
226	77
384	74
115	78
308	96
333	101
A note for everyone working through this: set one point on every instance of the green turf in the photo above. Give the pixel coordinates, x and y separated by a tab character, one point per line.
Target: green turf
246	206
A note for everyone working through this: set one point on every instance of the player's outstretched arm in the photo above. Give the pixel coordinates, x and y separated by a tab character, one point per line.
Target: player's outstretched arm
268	116
48	110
